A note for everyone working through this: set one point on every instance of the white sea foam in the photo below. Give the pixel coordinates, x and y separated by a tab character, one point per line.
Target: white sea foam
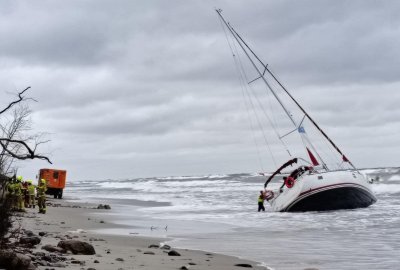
385	188
226	208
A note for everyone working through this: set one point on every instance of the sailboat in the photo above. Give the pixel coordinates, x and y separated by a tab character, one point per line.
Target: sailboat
309	185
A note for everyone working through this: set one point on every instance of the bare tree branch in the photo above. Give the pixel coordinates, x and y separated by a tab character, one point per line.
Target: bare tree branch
30	155
20	98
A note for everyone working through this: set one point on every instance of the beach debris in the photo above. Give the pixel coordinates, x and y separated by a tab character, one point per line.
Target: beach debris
192	263
166	247
149	253
153	228
119	259
154	246
246	265
173	253
105	206
30	240
77	247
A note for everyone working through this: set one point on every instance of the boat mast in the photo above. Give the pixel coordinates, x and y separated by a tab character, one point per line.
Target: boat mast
295	101
240	41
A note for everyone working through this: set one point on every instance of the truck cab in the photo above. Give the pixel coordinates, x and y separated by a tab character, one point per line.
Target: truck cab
55	180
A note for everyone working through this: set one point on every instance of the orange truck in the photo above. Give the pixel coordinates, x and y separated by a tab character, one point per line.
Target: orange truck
55	180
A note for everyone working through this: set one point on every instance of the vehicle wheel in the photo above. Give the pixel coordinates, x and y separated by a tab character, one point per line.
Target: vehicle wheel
60	194
55	196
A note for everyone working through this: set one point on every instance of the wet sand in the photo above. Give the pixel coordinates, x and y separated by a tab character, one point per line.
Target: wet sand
66	220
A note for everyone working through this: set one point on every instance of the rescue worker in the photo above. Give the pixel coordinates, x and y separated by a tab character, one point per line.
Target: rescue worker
31	194
41	192
18	189
261	201
25	195
11	193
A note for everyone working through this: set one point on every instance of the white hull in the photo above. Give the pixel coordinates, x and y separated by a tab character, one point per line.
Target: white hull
324	191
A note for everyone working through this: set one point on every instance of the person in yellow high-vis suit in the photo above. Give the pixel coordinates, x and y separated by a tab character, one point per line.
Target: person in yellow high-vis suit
31	193
11	193
18	189
41	192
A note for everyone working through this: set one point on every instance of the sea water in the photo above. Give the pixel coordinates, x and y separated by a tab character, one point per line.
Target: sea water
218	213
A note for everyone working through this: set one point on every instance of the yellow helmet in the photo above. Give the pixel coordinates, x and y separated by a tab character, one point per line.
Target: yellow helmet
19	178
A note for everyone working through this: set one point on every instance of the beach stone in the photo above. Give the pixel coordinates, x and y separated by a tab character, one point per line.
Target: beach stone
149	253
184	268
119	259
29	233
106	206
154	246
192	263
77	247
42	233
96	261
20	261
167	247
30	240
173	253
246	265
51	248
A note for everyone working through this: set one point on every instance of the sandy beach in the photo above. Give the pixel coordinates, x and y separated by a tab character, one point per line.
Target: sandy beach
72	221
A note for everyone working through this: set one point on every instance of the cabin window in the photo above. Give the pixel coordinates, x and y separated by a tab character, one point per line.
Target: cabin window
320	177
55	175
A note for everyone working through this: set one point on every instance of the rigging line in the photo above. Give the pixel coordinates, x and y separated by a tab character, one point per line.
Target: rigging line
244	91
257	69
243	85
246	87
261	75
293	99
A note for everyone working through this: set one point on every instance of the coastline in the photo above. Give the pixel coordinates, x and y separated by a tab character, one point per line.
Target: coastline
74	220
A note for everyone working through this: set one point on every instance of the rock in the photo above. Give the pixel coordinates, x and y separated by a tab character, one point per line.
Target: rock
149	252
39	254
96	261
91	268
154	246
29	240
106	206
51	248
184	268
42	233
29	233
244	265
192	263
165	247
20	261
77	247
119	259
173	253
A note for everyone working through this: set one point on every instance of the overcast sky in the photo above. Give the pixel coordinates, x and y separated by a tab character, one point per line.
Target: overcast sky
131	89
